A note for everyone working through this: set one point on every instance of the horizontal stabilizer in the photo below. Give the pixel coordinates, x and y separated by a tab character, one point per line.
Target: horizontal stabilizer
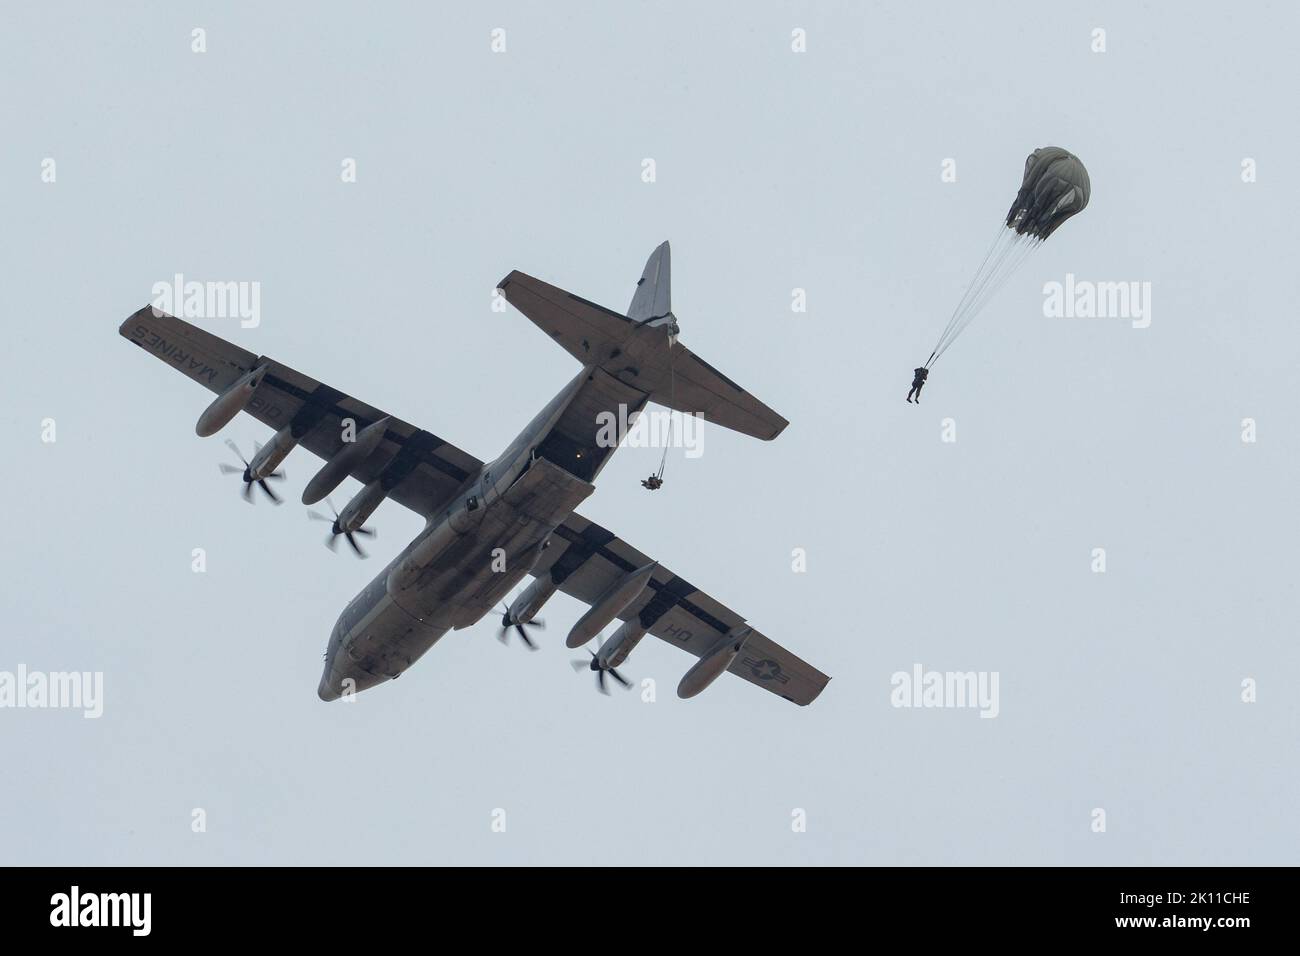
641	349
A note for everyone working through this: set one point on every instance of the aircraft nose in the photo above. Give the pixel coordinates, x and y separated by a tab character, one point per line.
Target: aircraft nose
330	686
326	691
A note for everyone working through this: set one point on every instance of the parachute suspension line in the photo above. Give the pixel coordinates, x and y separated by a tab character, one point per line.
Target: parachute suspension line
998	238
988	275
1026	249
992	282
989	278
975	278
1007	267
672	388
1004	248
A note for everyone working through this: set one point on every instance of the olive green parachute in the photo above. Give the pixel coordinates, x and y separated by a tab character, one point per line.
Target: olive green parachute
1054	188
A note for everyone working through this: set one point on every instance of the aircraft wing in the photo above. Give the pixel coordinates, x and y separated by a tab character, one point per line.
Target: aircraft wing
425	470
682	615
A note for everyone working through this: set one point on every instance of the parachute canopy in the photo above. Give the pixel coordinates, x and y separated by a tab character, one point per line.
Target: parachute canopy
1054	188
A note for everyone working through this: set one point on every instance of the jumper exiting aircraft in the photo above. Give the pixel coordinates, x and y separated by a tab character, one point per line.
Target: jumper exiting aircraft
519	507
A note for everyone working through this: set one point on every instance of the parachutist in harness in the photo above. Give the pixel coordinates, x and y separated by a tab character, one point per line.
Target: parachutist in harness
1054	188
918	380
656	480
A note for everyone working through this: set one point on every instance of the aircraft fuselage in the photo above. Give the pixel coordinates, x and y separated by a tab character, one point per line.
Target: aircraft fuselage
470	556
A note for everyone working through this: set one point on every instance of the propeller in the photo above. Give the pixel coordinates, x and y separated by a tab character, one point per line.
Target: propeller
594	665
245	473
332	542
507	622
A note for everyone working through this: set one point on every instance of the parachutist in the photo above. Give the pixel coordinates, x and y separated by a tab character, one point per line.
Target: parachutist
654	483
918	379
1055	187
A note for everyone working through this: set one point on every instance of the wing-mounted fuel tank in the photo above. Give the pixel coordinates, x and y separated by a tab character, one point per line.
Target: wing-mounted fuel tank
714	662
345	459
229	403
610	604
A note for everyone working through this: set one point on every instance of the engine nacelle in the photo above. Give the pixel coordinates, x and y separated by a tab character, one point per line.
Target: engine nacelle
622	643
270	455
712	664
229	403
610	604
340	466
525	607
361	507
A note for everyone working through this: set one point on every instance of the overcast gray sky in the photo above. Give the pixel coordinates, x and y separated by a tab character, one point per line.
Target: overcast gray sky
776	170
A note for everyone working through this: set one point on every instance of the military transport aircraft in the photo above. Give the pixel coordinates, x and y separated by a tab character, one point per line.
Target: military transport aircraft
519	508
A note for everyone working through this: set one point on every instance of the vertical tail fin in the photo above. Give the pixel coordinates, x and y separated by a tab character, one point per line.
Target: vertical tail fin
653	296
